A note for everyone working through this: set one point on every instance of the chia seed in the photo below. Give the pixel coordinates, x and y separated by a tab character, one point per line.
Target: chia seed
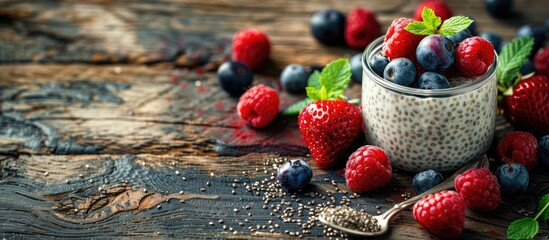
350	218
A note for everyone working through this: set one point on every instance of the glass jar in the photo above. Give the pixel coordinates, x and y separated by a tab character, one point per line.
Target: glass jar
420	129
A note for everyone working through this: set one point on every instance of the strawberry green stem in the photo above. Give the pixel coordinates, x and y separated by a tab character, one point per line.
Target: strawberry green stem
542	211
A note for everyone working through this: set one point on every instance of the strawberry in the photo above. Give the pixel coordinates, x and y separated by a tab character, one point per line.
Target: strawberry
525	101
528	105
329	125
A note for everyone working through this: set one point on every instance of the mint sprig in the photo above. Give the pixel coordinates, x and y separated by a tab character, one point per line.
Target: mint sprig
326	85
511	58
527	228
431	23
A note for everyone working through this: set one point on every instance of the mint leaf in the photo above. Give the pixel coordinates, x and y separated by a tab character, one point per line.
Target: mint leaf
511	58
418	28
430	20
296	108
314	80
331	82
543	208
335	77
454	24
524	228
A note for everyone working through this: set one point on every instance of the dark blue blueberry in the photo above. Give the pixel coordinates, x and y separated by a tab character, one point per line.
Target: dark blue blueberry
400	71
547	26
543	148
435	53
527	67
378	62
512	178
327	26
432	80
426	180
315	68
494	38
499	8
501	46
294	78
532	31
235	77
294	174
356	67
459	36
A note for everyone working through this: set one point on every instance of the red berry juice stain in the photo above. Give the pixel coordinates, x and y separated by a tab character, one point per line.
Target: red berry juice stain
173	79
200	71
219	105
201	89
183	85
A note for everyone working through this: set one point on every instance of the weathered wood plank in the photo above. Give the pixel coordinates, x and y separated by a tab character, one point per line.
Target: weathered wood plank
196	33
147	191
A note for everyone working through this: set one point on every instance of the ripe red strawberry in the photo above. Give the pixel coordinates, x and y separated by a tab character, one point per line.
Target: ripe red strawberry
528	106
329	127
399	42
252	47
361	28
258	106
440	8
442	213
474	56
368	168
541	61
519	147
480	189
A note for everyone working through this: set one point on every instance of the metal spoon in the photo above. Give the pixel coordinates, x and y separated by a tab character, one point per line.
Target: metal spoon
383	219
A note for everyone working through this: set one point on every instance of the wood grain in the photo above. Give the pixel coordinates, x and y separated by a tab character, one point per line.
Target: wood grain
112	123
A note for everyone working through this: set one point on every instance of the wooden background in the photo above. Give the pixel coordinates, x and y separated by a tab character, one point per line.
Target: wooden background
103	101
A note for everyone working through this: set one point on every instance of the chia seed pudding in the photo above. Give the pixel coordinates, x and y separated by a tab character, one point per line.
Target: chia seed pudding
440	129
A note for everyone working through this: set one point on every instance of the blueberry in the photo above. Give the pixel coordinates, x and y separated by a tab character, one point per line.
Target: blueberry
400	71
499	8
459	36
494	38
294	174
235	77
543	148
512	178
315	68
426	180
527	67
435	53
432	80
547	25
535	32
501	46
294	78
327	26
356	67
378	62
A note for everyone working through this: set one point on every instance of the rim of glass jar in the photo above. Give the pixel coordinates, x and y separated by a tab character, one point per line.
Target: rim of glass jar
375	46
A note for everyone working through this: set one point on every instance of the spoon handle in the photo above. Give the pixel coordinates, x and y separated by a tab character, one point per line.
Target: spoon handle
447	184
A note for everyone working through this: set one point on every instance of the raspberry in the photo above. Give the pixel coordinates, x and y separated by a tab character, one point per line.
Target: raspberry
442	213
480	189
368	168
251	47
474	56
399	42
440	8
258	106
519	147
541	61
361	28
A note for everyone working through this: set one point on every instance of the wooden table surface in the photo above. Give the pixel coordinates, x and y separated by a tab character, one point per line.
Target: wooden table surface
109	109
